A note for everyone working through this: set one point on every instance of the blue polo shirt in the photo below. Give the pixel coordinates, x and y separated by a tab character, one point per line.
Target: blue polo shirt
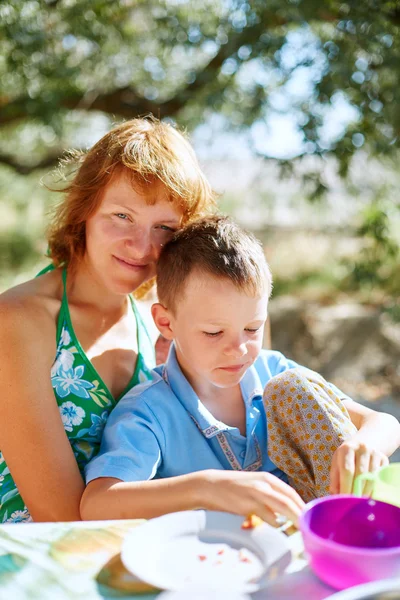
161	428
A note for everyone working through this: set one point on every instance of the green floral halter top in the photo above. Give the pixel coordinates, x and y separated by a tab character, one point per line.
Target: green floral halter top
83	400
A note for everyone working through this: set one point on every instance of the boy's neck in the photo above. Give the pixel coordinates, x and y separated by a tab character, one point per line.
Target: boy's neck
214	396
228	407
225	404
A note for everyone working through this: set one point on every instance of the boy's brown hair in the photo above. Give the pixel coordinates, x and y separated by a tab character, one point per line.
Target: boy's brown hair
216	246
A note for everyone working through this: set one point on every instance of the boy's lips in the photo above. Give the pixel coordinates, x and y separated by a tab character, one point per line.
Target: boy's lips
233	368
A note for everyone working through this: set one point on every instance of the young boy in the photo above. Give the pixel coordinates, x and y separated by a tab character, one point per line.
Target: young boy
196	436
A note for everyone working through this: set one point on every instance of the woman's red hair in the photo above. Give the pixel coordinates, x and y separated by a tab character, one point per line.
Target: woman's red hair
147	150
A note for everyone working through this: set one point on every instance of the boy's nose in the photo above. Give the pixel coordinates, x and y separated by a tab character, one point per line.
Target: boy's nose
236	349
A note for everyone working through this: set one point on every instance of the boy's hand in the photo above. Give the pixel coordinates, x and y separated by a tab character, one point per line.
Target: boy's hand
256	493
350	459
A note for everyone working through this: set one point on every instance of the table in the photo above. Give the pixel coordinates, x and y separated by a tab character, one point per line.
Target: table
65	561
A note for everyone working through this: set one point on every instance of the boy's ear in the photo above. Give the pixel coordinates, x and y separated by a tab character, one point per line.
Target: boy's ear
162	319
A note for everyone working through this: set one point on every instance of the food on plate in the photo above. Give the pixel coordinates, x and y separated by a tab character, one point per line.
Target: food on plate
252	521
225	555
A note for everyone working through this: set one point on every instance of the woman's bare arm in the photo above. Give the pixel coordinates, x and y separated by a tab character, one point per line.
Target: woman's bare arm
32	436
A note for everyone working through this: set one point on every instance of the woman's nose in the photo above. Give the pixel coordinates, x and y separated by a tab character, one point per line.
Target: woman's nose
139	242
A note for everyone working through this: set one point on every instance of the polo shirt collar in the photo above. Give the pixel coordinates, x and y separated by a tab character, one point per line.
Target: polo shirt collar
250	385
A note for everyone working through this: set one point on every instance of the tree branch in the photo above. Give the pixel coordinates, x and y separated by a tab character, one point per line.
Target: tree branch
25	168
127	102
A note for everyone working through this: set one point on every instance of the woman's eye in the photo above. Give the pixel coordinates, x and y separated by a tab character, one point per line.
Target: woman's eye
214	334
122	216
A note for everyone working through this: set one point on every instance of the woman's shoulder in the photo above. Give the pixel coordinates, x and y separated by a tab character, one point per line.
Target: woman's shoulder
36	301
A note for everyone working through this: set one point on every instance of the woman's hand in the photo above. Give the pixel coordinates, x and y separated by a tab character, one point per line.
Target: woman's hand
350	459
245	493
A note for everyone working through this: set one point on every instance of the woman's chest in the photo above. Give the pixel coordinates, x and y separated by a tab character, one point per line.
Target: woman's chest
114	356
111	350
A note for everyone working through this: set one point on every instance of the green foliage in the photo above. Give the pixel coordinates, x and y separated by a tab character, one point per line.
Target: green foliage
377	265
393	306
17	249
324	280
188	60
70	68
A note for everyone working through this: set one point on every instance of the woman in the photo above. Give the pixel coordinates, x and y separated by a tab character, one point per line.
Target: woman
72	341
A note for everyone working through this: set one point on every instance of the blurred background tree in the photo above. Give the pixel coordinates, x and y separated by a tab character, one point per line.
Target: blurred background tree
222	68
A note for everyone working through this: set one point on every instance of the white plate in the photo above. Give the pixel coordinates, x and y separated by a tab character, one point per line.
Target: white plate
205	549
385	589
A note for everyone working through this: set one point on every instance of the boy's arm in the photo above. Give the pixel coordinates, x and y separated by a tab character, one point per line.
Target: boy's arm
378	436
377	429
238	492
110	498
132	445
121	480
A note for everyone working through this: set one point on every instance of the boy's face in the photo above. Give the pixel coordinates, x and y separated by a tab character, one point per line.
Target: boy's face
218	331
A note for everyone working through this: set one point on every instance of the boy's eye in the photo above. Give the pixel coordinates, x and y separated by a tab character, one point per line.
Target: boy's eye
252	330
213	334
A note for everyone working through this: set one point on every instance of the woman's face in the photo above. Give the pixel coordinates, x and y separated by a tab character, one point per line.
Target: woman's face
125	235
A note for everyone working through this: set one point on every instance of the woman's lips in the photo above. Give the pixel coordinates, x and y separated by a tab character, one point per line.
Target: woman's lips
130	264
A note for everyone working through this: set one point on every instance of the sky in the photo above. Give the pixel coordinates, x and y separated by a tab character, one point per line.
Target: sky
278	136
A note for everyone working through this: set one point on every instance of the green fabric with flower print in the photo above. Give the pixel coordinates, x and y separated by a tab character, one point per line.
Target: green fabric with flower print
83	400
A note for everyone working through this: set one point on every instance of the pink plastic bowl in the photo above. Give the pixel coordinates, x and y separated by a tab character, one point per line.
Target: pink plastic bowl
350	540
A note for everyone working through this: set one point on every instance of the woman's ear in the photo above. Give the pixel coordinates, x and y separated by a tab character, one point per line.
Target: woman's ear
162	319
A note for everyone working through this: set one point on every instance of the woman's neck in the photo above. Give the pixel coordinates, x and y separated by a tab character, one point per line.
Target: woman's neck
84	288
